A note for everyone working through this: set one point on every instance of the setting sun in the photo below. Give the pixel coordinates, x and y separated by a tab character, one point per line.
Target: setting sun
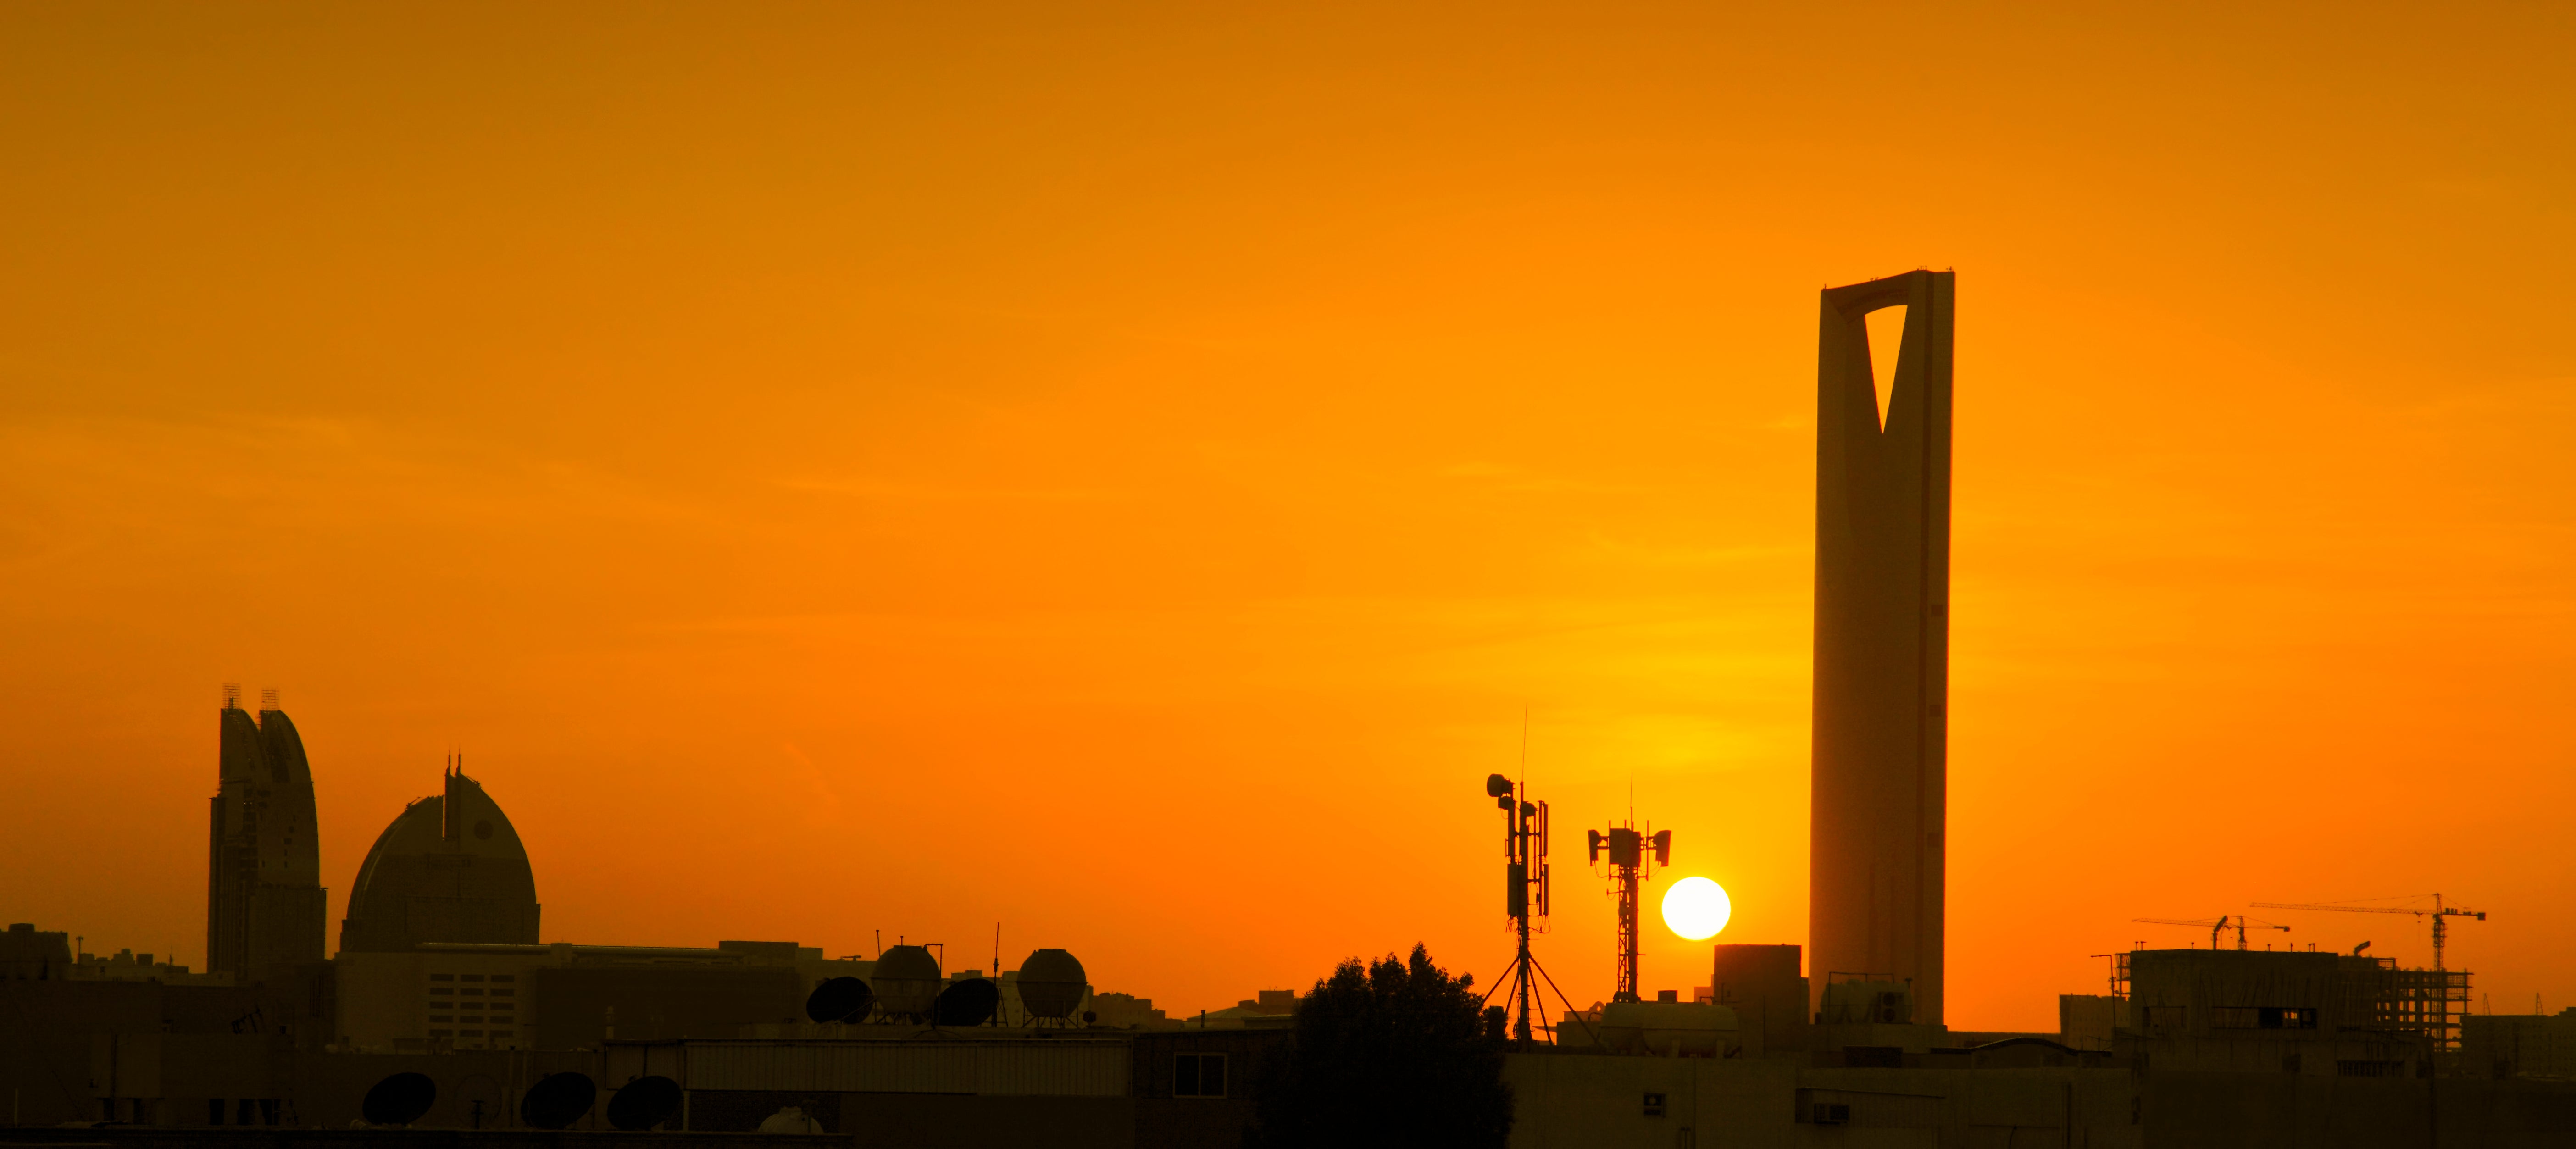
1696	908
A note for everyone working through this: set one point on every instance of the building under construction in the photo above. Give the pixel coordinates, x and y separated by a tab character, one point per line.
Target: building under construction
2271	1011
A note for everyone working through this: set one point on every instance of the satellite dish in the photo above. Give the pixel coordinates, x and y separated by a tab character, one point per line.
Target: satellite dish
1051	984
645	1102
840	999
906	982
792	1119
557	1100
400	1099
968	1002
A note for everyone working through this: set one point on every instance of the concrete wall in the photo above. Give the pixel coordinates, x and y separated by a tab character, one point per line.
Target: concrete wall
1565	1101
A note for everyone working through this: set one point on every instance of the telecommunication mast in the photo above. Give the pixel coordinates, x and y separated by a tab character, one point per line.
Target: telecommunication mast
1524	887
1630	867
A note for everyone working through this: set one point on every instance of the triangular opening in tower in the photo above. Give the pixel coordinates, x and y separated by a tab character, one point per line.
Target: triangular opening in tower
1886	337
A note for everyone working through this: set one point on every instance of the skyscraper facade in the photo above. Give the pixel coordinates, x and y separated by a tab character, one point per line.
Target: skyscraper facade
265	904
1881	767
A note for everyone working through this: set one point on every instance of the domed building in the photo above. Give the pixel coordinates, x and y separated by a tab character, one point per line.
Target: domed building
449	869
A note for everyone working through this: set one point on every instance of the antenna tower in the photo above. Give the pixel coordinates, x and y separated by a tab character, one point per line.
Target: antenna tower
1524	891
1630	867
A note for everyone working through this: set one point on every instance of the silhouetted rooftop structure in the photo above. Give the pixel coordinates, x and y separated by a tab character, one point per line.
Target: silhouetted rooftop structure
449	869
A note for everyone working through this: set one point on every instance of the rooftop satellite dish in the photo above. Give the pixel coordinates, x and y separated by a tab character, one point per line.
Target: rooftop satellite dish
970	1001
557	1100
399	1100
906	982
644	1103
1051	984
839	999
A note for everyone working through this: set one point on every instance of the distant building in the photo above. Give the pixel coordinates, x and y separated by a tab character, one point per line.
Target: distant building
449	869
1881	776
443	995
265	904
1127	1011
127	965
2519	1045
2319	1014
1270	1007
29	954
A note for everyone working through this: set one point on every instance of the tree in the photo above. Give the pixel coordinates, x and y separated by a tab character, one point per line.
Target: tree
1395	1052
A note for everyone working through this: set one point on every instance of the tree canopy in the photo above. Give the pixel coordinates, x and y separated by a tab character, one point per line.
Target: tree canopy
1391	1052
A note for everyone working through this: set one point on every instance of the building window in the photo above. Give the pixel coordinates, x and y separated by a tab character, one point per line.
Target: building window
471	977
442	977
1198	1075
504	977
2262	1017
440	989
470	992
432	1033
214	1111
504	992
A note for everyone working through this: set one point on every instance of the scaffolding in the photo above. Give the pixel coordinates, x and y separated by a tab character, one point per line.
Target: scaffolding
2427	1003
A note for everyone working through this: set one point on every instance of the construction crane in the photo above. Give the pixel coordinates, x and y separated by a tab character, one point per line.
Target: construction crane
2437	913
2216	927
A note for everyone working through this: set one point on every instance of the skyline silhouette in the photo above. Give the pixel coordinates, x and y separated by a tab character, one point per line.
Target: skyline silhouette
907	471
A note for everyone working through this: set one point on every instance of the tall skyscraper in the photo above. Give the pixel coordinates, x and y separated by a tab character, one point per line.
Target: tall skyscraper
265	904
1881	774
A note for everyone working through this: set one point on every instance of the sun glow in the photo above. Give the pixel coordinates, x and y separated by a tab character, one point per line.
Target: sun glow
1696	908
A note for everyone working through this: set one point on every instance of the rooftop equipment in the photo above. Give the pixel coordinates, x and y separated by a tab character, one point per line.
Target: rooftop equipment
1052	984
557	1100
1668	1028
644	1103
906	983
967	1001
839	999
399	1099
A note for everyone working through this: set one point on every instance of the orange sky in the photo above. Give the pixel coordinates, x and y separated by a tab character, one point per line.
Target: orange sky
1121	473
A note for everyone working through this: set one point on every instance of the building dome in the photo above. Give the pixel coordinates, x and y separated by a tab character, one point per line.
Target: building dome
449	869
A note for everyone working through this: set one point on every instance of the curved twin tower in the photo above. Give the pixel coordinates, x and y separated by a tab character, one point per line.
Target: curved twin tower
449	869
264	897
1881	773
